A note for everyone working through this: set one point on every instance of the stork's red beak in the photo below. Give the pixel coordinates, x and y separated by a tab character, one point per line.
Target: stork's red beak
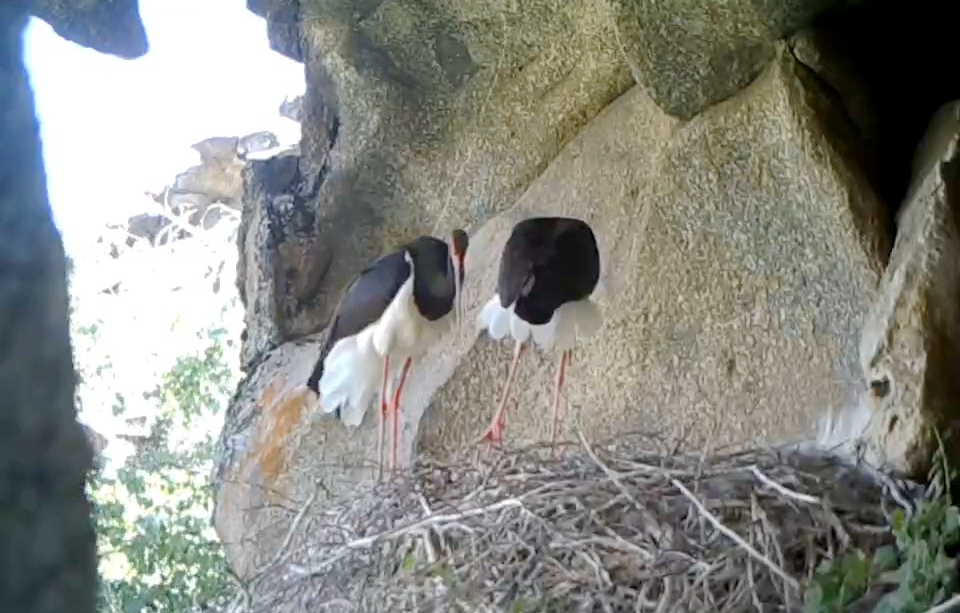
458	251
458	285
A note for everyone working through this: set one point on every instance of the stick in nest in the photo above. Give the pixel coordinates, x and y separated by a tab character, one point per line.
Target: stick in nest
585	532
734	536
369	541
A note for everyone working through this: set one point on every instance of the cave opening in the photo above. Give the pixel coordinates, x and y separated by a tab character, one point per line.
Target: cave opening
900	53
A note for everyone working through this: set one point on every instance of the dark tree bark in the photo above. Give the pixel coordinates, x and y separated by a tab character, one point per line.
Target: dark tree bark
47	543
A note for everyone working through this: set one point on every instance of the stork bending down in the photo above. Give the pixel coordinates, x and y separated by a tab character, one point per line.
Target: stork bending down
549	268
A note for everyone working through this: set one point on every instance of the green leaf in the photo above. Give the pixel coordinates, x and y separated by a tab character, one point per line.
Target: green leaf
838	583
170	560
519	606
885	559
889	603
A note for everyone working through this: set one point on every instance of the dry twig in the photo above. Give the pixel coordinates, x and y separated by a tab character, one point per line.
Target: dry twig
599	529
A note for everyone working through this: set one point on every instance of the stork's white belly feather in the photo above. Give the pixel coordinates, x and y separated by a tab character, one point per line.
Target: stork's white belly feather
354	367
571	322
402	331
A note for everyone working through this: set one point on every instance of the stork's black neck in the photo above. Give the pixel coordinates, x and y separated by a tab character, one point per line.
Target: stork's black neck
434	288
547	262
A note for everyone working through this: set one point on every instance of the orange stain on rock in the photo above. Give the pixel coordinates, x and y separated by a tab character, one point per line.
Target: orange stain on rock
279	424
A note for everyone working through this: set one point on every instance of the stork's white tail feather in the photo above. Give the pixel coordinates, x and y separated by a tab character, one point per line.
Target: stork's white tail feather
572	321
495	319
841	428
351	379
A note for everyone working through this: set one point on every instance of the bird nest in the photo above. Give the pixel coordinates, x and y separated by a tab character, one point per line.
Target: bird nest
606	529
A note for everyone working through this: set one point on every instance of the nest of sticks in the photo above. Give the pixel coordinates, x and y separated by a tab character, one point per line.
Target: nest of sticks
607	528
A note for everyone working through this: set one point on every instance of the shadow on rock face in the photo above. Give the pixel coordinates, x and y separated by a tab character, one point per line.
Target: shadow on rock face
107	26
897	54
910	344
48	559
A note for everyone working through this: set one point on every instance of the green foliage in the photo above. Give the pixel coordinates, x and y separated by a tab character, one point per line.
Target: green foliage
928	575
838	583
191	391
196	383
152	373
922	564
158	552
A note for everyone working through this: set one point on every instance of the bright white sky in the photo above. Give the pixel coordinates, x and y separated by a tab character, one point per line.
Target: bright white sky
112	128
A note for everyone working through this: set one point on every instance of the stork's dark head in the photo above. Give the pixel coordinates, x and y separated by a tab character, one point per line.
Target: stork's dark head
459	241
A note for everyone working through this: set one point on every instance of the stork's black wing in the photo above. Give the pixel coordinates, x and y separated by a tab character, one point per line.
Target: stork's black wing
515	269
364	301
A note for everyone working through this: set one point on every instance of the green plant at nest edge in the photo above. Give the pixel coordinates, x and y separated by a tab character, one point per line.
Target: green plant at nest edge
922	564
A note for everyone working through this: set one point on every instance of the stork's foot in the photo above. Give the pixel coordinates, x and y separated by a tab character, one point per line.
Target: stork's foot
311	399
494	434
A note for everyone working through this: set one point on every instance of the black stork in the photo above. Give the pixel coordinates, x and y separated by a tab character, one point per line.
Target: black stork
549	268
390	314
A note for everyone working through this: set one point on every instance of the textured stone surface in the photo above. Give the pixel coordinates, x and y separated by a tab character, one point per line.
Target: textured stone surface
279	264
47	542
910	349
283	24
403	136
107	26
422	116
689	54
740	251
819	50
275	453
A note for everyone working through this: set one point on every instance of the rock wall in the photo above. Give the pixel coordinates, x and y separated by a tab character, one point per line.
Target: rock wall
191	198
723	323
742	168
403	136
48	560
744	172
911	337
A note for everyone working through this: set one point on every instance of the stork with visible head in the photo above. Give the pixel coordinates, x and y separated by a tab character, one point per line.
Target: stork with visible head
549	268
390	314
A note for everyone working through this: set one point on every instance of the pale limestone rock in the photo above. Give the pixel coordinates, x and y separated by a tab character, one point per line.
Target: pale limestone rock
910	347
423	116
690	54
740	249
740	252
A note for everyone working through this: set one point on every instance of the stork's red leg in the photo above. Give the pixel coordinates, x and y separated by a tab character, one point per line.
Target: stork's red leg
557	384
396	411
495	432
383	415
